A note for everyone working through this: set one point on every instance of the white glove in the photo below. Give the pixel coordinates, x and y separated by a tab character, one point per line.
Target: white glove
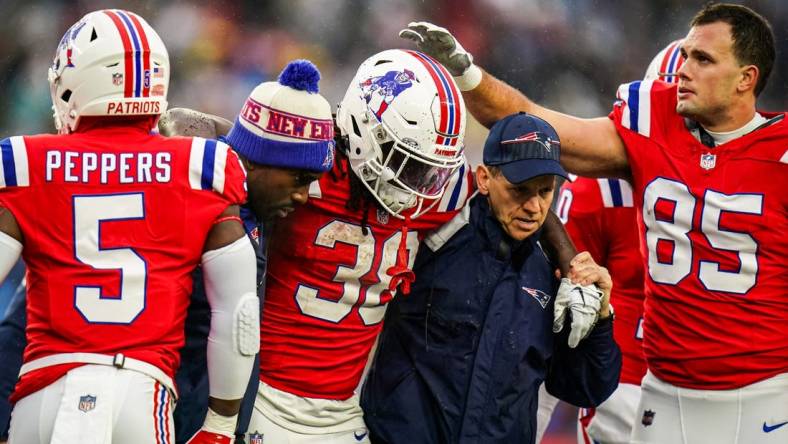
439	44
583	302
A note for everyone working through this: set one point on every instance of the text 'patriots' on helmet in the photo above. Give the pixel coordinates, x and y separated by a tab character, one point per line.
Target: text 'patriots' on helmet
404	119
110	63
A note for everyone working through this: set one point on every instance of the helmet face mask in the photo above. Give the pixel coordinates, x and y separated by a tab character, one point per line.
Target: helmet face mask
109	63
404	120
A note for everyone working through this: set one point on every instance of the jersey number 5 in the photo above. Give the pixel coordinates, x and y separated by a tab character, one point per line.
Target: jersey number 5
677	231
89	213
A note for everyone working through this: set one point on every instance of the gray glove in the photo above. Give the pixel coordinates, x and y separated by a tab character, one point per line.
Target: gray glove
439	44
583	302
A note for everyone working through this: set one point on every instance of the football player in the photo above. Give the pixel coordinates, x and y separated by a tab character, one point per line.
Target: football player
601	219
274	182
132	214
708	173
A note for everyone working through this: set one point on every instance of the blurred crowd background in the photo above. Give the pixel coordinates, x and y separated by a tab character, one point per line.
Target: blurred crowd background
568	54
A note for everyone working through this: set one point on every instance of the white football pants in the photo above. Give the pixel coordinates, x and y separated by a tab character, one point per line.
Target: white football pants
753	414
95	404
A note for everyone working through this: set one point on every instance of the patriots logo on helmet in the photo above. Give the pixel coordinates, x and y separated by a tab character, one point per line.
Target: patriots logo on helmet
71	34
380	91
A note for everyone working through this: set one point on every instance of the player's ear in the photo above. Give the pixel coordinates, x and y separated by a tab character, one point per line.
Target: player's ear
749	78
483	179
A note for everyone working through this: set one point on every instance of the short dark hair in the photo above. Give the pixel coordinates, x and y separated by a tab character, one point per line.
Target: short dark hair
494	170
753	39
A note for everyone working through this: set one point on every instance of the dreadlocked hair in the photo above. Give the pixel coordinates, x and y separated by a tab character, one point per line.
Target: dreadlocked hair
360	197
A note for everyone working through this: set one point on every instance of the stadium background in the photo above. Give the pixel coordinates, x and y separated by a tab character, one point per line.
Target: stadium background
567	54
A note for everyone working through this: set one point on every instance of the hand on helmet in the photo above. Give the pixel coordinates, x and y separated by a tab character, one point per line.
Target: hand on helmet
437	42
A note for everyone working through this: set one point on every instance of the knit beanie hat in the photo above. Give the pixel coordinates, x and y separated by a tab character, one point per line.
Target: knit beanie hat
287	123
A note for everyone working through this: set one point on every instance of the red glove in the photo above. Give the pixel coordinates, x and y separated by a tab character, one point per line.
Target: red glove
205	437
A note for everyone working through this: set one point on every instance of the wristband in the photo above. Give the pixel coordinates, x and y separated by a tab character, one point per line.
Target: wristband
470	79
221	424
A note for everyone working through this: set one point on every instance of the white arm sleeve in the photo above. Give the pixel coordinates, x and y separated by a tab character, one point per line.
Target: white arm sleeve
230	274
10	250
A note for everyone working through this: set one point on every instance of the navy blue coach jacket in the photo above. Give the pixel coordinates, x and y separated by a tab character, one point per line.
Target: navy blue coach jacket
461	358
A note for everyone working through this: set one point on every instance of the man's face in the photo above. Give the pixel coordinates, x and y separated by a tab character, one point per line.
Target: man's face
274	192
520	208
709	78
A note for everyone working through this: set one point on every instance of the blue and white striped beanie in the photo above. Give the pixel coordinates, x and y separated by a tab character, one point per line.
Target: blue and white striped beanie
287	123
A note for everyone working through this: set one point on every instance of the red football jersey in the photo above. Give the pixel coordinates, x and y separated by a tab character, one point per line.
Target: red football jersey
600	219
114	222
327	285
714	231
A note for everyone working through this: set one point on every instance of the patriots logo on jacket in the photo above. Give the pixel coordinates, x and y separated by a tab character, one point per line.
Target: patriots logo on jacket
540	296
380	91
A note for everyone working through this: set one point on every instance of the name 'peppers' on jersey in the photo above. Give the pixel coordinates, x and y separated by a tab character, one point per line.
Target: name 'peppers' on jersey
114	221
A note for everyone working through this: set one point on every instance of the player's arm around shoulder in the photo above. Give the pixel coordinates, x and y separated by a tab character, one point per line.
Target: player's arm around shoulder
192	123
589	147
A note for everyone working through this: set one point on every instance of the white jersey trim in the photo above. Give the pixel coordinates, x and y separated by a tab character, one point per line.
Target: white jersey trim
14	151
636	114
207	175
615	193
457	190
438	238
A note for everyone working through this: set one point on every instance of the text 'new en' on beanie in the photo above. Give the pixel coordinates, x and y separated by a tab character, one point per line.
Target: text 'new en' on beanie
287	123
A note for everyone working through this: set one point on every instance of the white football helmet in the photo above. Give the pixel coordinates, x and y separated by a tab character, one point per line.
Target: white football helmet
666	63
404	120
109	63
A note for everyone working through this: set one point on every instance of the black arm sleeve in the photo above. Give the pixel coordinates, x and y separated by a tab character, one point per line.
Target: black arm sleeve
587	375
12	344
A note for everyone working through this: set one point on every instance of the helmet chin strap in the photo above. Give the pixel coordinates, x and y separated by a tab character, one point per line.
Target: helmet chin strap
399	272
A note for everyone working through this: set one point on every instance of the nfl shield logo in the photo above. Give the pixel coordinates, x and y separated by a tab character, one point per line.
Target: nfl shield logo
708	161
117	78
255	438
87	403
